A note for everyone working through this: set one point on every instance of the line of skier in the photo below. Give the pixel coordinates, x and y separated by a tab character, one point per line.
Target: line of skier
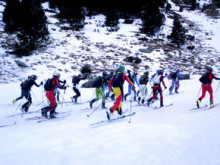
114	83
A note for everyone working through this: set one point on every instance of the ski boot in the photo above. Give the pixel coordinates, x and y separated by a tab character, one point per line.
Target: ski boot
109	114
139	99
14	101
119	111
211	104
52	116
103	106
91	102
198	103
148	102
161	103
134	98
142	101
176	91
44	112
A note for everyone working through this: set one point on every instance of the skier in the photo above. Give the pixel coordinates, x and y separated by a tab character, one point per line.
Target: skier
143	86
99	88
75	81
133	79
51	97
175	76
157	80
25	92
117	82
206	81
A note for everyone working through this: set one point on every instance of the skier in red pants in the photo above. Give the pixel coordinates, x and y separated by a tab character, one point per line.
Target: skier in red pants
158	78
51	97
206	81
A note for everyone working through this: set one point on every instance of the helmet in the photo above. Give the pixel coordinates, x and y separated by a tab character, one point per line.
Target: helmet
159	71
104	73
57	75
146	73
209	68
177	70
34	77
121	68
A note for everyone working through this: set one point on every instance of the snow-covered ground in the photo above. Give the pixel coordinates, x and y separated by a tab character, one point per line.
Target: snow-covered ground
167	136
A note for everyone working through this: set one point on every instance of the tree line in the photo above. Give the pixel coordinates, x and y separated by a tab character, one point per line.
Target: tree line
27	18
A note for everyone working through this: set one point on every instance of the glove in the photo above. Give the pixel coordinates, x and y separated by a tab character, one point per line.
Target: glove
41	82
64	81
165	87
128	71
64	87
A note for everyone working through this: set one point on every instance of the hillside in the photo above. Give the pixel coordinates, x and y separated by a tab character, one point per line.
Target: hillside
70	50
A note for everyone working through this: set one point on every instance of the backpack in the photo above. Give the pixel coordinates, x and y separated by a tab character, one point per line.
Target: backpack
25	84
74	79
143	79
173	75
117	80
98	82
48	86
205	78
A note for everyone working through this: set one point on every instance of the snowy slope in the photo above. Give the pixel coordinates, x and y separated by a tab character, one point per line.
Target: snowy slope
167	136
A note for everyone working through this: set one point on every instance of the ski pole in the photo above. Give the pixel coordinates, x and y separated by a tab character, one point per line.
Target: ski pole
199	91
216	89
130	108
34	96
94	110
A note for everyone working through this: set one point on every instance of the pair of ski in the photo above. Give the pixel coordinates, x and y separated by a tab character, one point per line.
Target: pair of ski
114	119
154	107
59	116
205	107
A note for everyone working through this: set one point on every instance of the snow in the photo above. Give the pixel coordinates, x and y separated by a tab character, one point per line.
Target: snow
167	136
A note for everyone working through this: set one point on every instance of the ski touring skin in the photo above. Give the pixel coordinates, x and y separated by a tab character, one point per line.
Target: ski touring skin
111	120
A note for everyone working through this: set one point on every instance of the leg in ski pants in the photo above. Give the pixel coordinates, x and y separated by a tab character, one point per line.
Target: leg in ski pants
53	104
155	89
206	88
118	102
99	92
27	95
143	90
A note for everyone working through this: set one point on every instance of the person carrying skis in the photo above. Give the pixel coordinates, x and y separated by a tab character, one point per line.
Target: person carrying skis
26	92
117	82
99	83
206	81
143	86
175	76
157	80
75	81
53	83
133	79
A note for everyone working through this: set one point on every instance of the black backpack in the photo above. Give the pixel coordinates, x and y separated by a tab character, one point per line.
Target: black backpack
74	79
97	82
48	86
205	78
25	84
117	80
173	75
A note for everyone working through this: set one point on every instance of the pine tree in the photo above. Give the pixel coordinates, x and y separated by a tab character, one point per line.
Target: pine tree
11	15
34	31
152	18
177	36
